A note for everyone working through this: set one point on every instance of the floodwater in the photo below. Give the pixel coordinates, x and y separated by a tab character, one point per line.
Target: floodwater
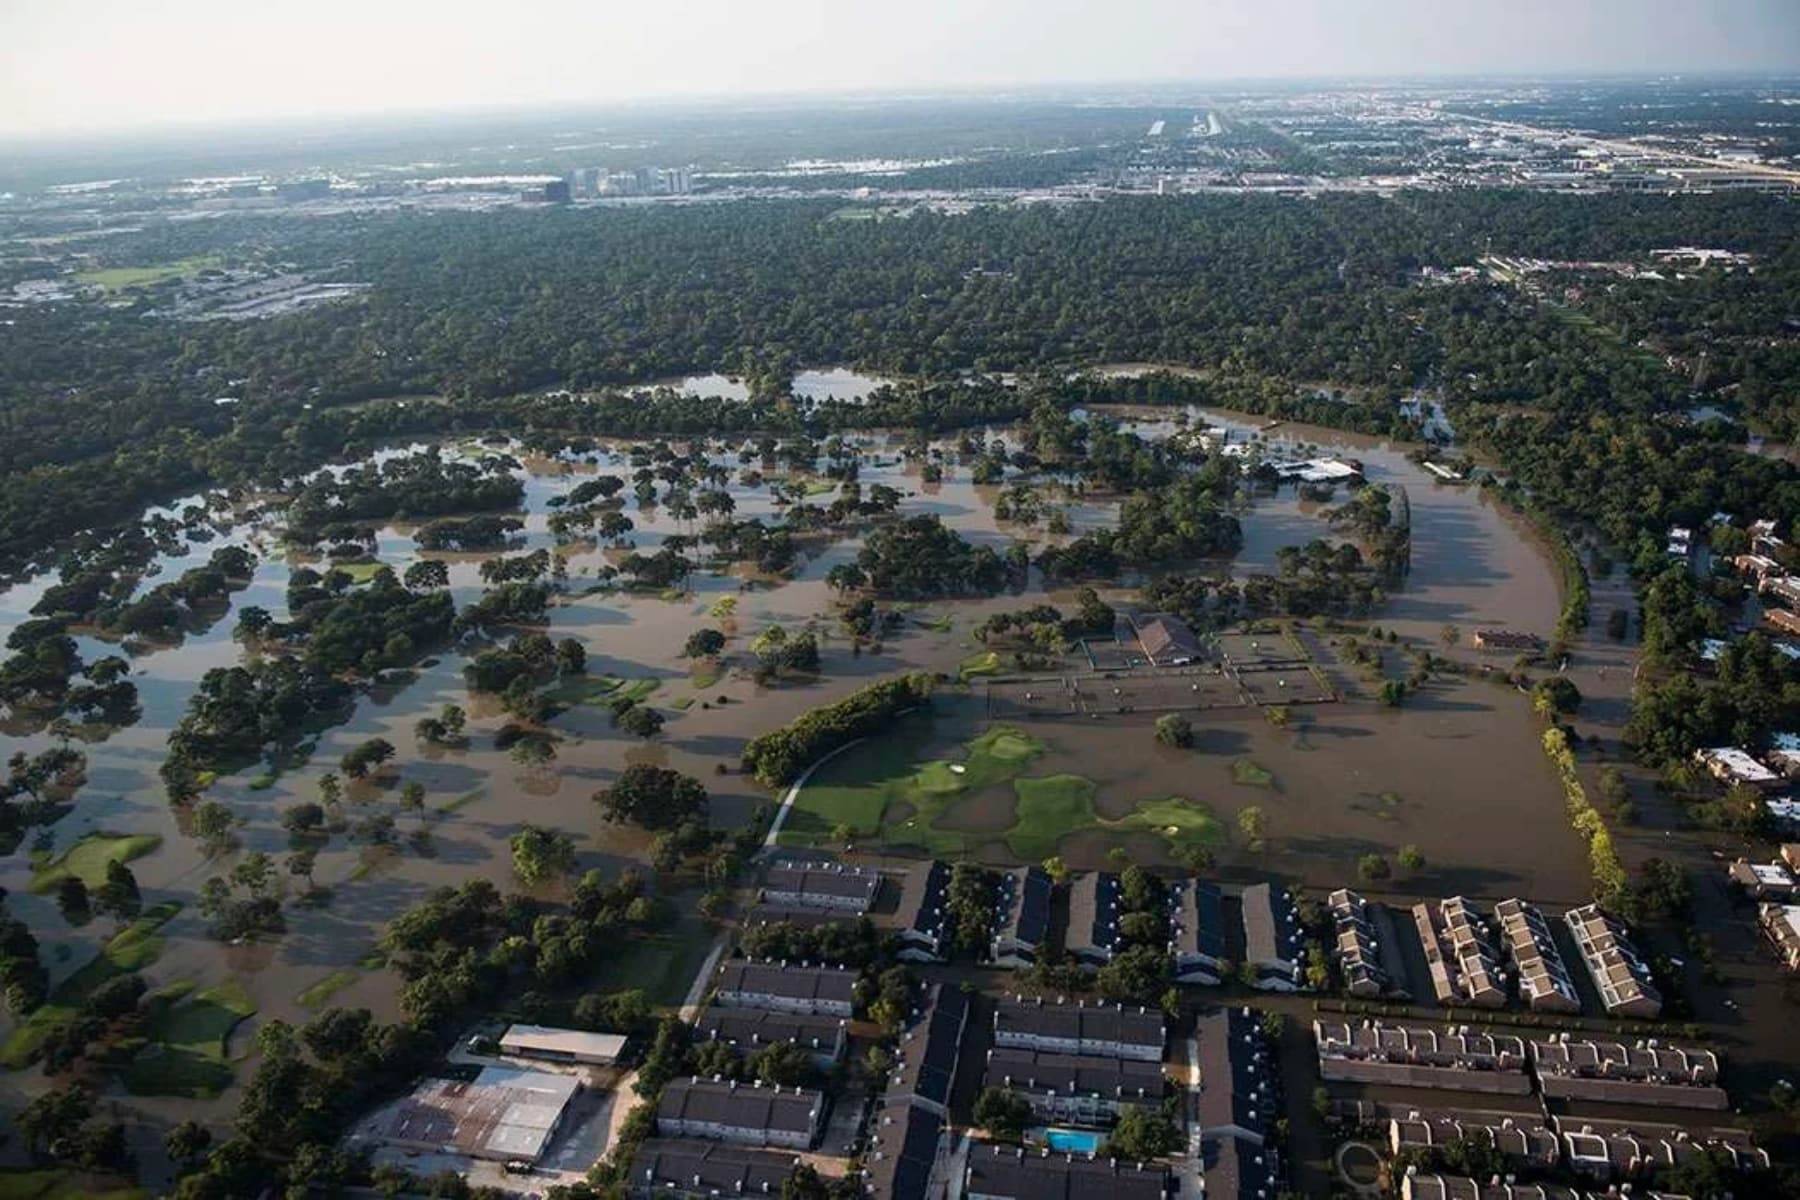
1472	565
827	383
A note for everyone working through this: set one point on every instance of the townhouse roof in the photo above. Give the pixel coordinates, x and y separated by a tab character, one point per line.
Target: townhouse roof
1072	1074
925	1059
719	1168
792	981
1083	1022
740	1105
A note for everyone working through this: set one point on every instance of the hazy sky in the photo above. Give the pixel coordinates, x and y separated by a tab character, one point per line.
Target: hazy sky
98	63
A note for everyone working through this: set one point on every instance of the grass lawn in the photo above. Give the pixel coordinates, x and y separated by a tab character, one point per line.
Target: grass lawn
115	279
985	663
1049	808
723	607
598	690
187	1035
359	572
662	965
65	1185
316	996
943	624
131	949
858	789
1251	774
1177	821
87	859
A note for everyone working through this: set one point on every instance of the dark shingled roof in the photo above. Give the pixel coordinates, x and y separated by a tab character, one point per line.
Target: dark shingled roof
1025	904
1093	912
1086	1022
1069	1074
1236	1074
754	1027
718	1167
923	897
1166	638
790	980
1235	1169
925	1060
1027	1175
740	1105
901	1152
825	882
1200	920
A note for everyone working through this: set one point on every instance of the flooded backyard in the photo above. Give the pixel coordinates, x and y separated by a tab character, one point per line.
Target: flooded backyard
1457	767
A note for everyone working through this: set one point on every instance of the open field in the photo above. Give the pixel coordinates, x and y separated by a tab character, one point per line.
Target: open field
118	279
186	1041
87	859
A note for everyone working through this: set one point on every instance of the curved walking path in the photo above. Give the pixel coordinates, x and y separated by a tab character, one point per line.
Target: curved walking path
787	800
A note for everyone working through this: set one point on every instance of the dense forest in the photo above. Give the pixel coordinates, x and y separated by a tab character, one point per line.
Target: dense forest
105	408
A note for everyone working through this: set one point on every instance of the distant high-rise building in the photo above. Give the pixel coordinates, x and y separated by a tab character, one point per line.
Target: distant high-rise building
584	182
557	191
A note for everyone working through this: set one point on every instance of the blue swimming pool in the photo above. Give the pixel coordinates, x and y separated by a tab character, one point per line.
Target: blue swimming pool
1074	1141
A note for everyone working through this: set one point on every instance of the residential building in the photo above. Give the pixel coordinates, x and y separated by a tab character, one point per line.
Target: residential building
1272	942
1010	1173
1094	911
1075	1089
1167	641
801	918
1761	881
1781	924
1613	962
930	1047
1109	1030
1235	1169
1544	981
749	1114
752	1029
1238	1075
822	885
907	1158
1197	927
1022	919
1629	1150
1422	1056
1784	754
561	1045
1464	967
1356	952
924	913
1782	619
1736	768
787	987
1524	1138
1645	1073
1416	1186
692	1169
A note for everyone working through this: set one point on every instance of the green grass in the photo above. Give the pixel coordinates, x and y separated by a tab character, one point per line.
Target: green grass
359	572
662	965
1049	808
985	663
683	704
943	624
187	1038
598	690
131	949
65	1185
316	996
1251	774
87	859
115	279
1179	822
723	608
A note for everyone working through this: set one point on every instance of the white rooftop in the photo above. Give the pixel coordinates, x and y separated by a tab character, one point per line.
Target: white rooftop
1784	810
1739	764
528	1039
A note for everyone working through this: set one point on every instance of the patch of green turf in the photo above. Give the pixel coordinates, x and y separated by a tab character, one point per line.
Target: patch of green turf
985	663
261	783
115	279
1049	808
131	949
683	704
943	624
704	676
1251	774
315	997
359	572
87	859
1177	821
597	690
723	607
187	1037
373	959
65	1185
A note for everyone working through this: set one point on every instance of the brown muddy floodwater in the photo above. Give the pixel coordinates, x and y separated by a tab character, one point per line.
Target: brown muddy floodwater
1473	792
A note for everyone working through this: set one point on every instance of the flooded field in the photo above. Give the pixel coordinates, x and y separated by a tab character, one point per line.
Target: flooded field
828	383
1460	762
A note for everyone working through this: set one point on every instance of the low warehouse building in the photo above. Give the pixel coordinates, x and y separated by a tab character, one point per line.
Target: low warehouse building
561	1045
